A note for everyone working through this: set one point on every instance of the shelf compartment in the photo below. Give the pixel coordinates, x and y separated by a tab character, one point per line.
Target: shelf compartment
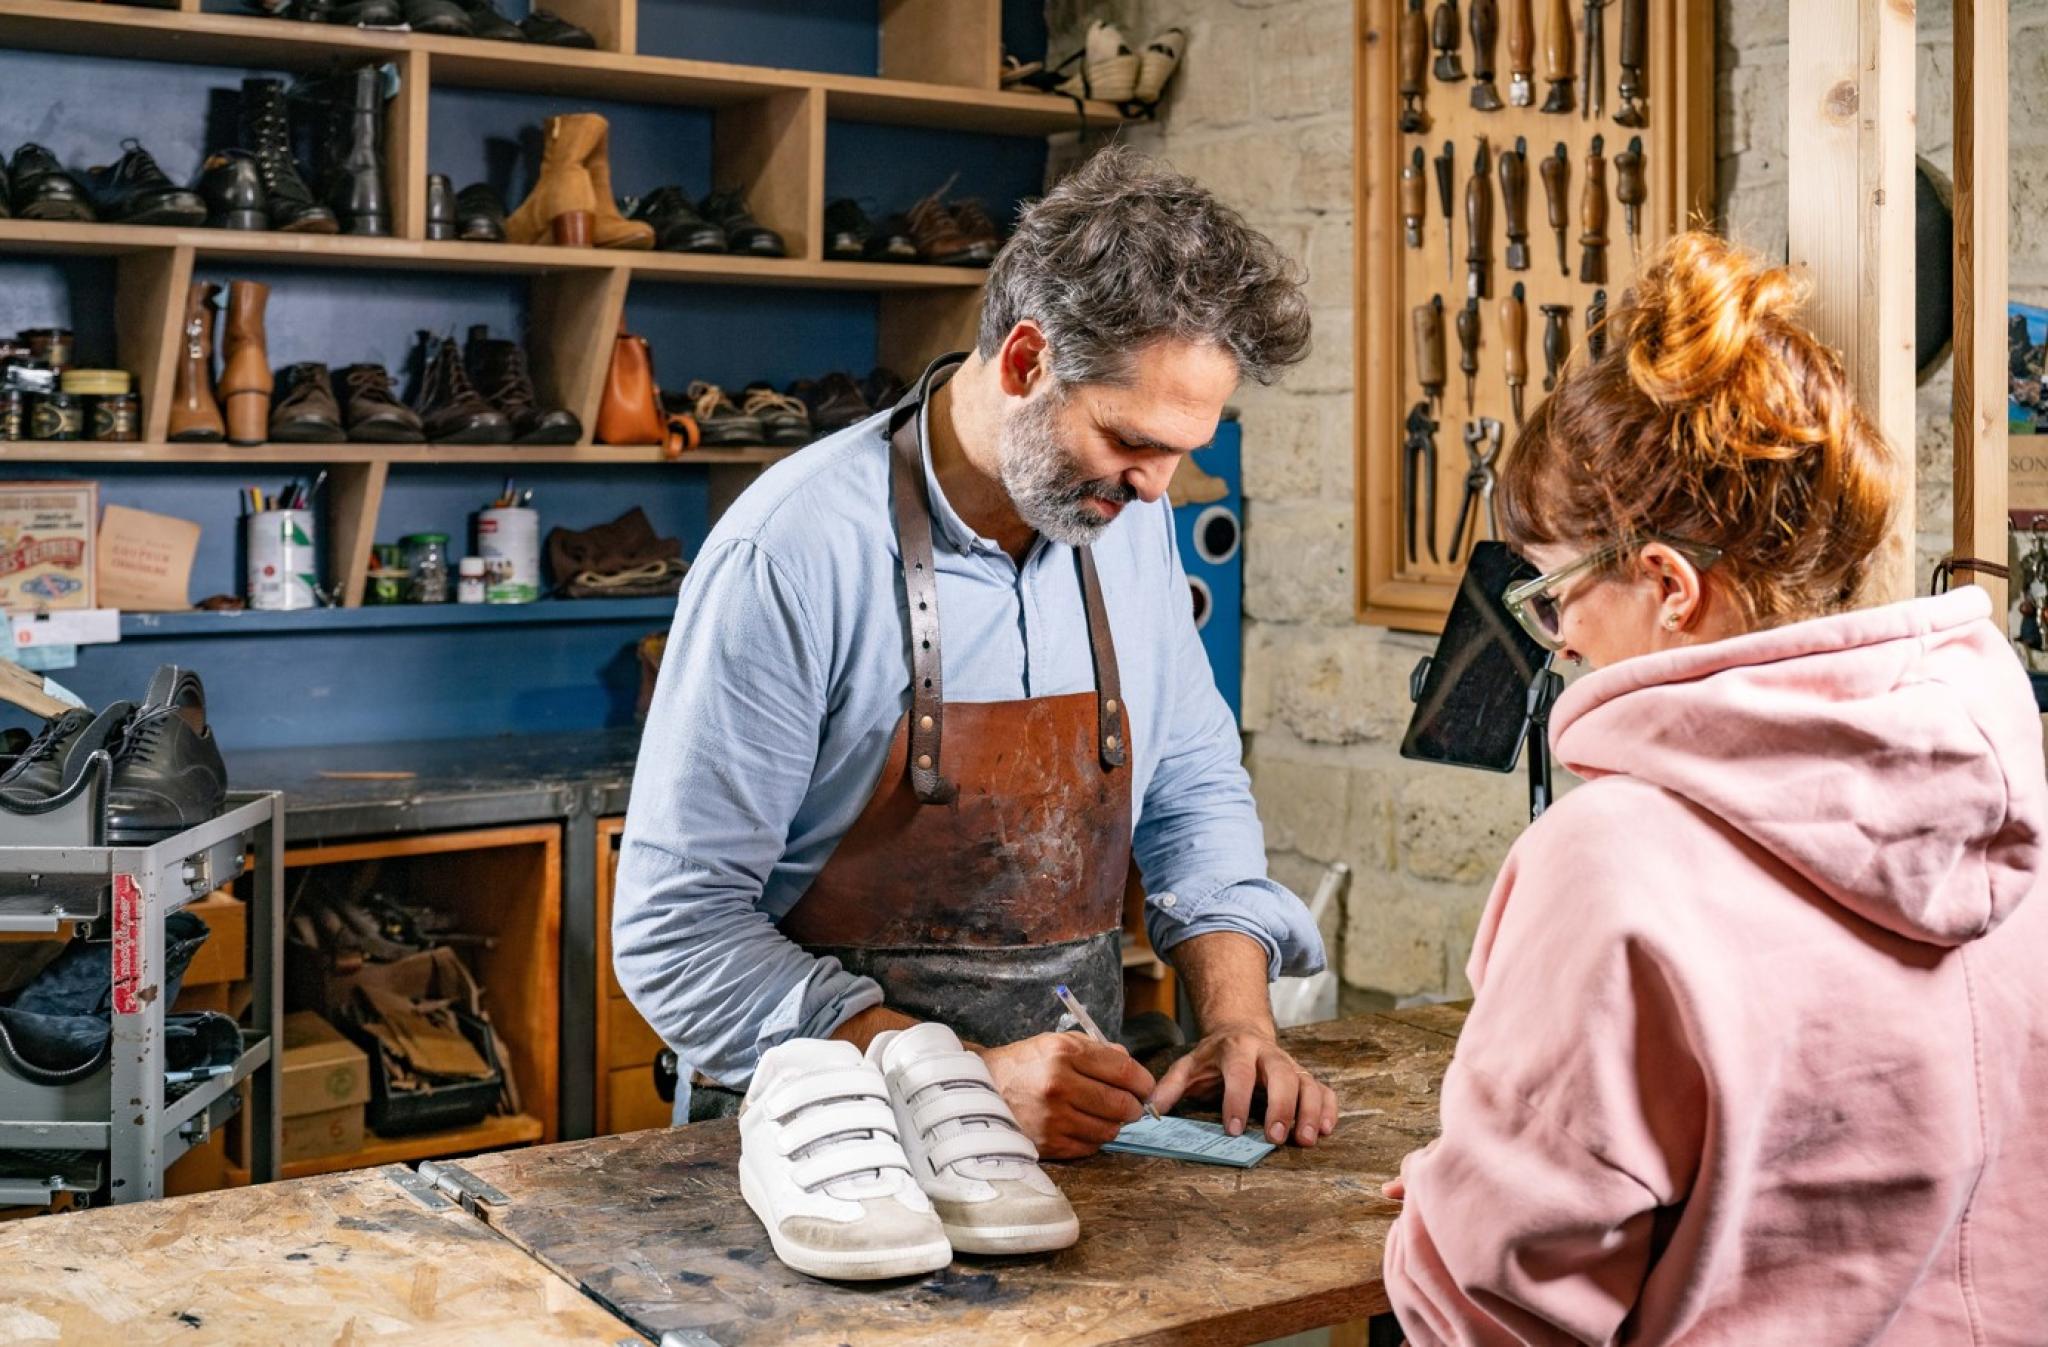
129	32
145	626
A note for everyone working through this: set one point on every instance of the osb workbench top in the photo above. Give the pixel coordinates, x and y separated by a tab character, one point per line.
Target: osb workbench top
653	1226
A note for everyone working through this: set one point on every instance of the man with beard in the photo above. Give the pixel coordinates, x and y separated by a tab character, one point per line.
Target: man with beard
850	815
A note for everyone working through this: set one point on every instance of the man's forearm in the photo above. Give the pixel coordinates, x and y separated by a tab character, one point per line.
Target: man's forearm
1225	974
863	1028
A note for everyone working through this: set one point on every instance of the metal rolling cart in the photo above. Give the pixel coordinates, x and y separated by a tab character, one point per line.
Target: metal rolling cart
120	1126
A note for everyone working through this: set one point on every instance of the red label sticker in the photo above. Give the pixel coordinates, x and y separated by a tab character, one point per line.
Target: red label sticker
127	945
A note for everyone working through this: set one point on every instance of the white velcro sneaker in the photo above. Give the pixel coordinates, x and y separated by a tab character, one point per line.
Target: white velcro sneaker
972	1160
821	1166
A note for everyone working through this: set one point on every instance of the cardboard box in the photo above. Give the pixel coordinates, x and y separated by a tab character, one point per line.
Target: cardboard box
323	1072
225	955
313	1136
46	545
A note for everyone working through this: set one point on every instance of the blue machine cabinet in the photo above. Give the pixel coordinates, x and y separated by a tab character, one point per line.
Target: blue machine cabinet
1211	537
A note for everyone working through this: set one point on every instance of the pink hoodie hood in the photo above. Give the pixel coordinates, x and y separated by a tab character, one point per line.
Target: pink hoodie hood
1853	748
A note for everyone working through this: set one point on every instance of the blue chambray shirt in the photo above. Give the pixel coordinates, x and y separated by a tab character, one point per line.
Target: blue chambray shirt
786	674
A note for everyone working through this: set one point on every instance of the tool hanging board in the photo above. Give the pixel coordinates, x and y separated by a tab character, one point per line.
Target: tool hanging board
1401	271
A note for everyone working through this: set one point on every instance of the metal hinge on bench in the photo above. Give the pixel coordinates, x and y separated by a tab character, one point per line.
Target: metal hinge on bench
460	1185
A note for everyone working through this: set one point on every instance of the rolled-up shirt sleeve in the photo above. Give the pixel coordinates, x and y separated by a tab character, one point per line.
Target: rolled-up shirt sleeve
1198	842
726	759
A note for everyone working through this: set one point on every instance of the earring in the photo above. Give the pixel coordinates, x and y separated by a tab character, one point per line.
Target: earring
1671	621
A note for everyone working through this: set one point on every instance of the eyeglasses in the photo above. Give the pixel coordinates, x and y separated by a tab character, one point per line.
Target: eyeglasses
1534	603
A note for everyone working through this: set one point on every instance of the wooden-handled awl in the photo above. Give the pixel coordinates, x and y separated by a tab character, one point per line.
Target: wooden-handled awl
1514	345
1593	216
1479	224
1559	54
1632	189
1556	344
1468	349
1514	196
1557	181
1414	68
1446	165
1443	33
1485	32
1429	351
1634	111
1521	53
1414	196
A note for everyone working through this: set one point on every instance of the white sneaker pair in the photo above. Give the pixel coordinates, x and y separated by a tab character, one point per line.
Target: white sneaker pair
884	1165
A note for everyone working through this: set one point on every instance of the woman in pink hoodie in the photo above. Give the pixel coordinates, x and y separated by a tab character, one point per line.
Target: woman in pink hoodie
1759	1053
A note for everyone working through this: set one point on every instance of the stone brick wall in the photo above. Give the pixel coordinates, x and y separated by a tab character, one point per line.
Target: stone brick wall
1261	113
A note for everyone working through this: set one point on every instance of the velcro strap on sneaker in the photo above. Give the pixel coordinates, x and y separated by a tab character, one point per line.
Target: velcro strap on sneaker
982	1143
841	1162
840	1082
813	1125
941	1106
944	1068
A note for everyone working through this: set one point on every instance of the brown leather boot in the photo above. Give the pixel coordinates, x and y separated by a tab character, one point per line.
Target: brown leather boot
195	416
564	186
245	365
608	228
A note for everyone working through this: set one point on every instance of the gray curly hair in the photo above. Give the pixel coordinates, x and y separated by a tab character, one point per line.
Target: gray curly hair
1124	252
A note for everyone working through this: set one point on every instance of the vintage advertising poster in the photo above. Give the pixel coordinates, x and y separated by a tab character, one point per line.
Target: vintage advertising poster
46	545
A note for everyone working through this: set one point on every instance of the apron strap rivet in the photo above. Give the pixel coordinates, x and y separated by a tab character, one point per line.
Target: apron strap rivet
924	761
925	724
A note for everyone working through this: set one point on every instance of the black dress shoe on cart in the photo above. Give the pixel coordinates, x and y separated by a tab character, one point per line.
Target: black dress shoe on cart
445	18
550	29
57	754
486	22
678	228
848	231
479	214
448	404
303	410
168	774
743	233
373	412
440	207
266	133
498	368
232	186
135	191
41	189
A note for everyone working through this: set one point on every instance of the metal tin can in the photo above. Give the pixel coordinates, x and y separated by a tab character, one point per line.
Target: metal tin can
13	414
56	416
283	563
117	417
511	537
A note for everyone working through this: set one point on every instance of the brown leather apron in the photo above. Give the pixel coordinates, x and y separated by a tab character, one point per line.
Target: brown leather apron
989	865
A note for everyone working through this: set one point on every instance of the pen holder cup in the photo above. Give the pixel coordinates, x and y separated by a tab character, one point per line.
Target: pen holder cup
284	563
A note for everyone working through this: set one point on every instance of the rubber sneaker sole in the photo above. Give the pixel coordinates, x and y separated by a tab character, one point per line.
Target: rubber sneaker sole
1009	1239
844	1264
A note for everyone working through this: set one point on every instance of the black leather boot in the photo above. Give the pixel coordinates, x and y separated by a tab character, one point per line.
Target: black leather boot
480	214
168	774
266	133
56	756
440	207
355	183
232	185
133	190
499	370
448	403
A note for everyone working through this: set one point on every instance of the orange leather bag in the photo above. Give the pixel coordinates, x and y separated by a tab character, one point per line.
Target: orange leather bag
631	412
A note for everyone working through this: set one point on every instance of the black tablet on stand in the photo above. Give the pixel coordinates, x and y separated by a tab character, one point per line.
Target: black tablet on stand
1488	689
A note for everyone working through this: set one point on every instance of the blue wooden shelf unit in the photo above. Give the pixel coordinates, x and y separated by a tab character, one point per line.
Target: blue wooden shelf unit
797	102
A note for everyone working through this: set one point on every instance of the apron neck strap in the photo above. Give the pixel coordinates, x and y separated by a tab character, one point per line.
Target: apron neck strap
910	504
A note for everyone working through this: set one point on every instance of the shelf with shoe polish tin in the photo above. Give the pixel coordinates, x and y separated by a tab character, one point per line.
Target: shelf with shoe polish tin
769	128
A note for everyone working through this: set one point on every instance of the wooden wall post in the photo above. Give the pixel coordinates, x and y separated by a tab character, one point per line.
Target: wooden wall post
1980	290
1851	217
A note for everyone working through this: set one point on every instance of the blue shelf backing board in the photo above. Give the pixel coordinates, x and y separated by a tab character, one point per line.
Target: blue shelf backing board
1211	538
73	292
543	670
731	335
840	37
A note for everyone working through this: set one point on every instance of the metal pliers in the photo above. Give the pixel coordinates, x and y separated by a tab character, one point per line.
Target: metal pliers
1418	480
1479	481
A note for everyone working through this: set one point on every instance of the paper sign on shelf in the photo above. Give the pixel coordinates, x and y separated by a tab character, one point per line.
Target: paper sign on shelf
74	626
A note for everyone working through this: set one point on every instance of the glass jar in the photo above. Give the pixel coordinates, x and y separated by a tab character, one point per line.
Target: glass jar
426	556
56	415
51	345
386	582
